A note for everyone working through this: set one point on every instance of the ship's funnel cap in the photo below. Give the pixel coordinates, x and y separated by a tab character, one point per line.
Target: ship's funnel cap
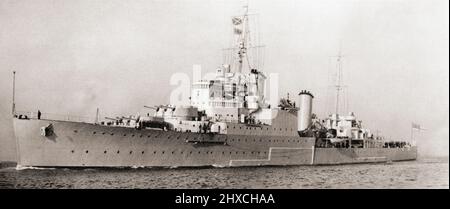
306	92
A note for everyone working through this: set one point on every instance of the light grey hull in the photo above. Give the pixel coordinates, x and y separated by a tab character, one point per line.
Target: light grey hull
74	144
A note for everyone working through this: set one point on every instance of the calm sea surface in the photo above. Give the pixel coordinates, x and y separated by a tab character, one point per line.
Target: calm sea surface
423	173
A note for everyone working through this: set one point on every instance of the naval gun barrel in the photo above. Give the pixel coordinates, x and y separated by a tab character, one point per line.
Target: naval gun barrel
157	108
153	108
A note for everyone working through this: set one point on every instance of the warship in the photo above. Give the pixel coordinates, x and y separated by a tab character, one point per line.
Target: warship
226	123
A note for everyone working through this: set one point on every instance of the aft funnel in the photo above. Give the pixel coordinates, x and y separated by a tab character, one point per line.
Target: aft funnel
305	112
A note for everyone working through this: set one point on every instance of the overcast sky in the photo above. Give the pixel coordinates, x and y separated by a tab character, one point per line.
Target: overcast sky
74	56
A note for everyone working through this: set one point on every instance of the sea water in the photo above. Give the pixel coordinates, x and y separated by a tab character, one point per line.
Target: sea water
422	173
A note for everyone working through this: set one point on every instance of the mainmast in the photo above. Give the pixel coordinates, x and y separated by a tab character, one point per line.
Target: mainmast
14	94
338	81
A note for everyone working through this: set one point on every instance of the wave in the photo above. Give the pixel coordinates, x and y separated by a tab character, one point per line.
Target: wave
20	167
219	166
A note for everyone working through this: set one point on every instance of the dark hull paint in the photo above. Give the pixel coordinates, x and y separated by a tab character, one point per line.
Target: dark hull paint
75	144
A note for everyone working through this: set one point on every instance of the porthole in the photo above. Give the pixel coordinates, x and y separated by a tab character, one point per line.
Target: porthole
190	152
131	152
103	133
124	134
162	152
243	153
140	136
75	131
142	152
223	153
211	152
173	152
132	135
198	152
154	152
87	151
94	132
230	153
112	134
118	151
148	136
104	152
73	151
237	153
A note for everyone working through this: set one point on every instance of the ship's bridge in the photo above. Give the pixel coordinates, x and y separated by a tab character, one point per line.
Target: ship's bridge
228	92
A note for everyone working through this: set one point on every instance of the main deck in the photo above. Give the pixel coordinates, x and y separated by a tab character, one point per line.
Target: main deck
75	144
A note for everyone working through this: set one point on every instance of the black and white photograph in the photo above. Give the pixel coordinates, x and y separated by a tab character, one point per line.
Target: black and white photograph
224	94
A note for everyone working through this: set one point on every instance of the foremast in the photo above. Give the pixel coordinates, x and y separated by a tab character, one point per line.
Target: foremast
238	87
242	30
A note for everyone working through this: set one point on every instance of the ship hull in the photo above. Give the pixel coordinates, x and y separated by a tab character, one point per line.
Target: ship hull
74	144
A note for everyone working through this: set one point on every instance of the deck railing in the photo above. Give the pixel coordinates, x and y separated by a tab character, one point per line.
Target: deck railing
54	116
